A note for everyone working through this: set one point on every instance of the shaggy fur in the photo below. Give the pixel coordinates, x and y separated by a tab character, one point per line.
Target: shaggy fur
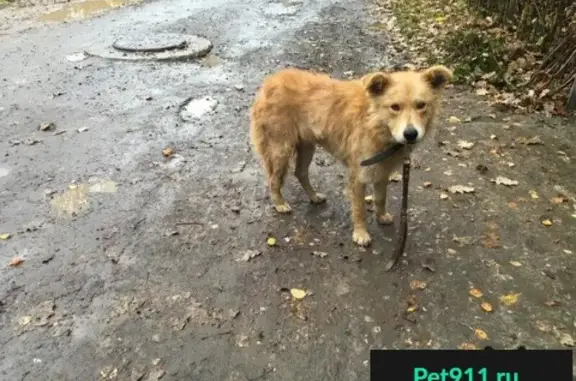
296	110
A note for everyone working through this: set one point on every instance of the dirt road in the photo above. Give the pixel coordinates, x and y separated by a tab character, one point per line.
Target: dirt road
133	263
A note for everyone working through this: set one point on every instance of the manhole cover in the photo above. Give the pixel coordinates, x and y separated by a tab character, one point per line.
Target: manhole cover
160	47
150	44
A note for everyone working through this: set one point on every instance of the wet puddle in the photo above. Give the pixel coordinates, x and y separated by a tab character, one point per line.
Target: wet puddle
4	170
84	9
75	200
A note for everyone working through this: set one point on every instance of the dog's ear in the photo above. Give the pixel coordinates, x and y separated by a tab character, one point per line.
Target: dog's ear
376	83
437	76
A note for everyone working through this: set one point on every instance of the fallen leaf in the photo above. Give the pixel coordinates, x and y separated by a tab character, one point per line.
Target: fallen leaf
566	340
475	293
248	255
16	261
412	308
427	184
467	346
82	129
369	199
461	189
320	254
491	240
167	152
5	236
480	334
515	263
45	126
486	306
395	177
501	180
443	196
271	241
513	205
481	91
551	303
535	140
24	320
417	285
510	299
465	144
412	303
546	221
297	293
559	199
453	120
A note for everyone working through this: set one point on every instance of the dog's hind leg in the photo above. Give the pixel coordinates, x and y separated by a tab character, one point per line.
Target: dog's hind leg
304	155
276	165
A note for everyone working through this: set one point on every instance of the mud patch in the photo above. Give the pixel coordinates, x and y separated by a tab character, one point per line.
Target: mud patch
340	46
4	170
75	200
84	9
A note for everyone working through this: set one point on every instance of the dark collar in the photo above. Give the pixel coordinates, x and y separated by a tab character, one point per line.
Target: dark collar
381	156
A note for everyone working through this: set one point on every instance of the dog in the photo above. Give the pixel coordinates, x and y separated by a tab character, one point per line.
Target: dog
295	110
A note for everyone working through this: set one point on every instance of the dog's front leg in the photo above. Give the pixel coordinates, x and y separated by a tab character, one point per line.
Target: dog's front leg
356	193
380	201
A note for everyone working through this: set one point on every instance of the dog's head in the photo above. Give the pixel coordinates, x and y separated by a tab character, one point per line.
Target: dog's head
406	101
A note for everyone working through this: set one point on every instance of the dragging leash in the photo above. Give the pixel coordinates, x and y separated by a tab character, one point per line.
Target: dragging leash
403	231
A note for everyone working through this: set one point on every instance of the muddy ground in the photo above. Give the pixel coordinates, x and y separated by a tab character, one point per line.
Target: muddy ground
132	261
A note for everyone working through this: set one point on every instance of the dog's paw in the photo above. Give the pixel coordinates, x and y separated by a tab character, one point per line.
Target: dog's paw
283	208
361	237
318	198
385	219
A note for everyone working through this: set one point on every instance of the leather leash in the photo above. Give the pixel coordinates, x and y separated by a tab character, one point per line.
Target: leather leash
403	231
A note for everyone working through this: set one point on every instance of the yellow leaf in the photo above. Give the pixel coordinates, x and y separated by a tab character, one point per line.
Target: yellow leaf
412	308
559	200
547	222
510	299
271	241
16	261
476	293
440	19
416	284
5	236
467	346
453	120
480	334
533	195
486	307
297	293
167	152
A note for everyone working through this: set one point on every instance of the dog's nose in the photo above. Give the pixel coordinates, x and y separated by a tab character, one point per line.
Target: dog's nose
410	133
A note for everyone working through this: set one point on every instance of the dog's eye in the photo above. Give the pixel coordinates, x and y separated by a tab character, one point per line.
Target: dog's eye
420	105
395	107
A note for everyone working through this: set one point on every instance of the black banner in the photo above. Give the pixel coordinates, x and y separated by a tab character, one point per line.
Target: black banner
471	365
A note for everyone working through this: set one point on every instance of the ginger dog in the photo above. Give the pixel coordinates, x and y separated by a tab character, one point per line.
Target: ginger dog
296	110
